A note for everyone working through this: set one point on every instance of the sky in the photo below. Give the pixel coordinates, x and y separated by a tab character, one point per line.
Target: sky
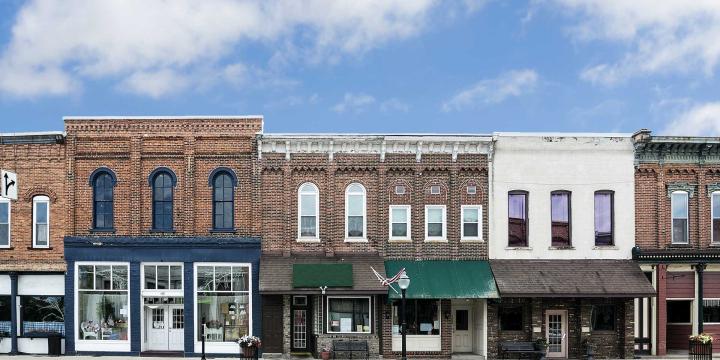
375	66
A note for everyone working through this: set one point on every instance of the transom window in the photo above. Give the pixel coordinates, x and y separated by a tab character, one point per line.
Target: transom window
4	223
435	222
399	222
163	201
471	222
517	218
348	315
161	277
41	222
679	204
223	201
355	202
715	216
604	218
103	201
560	218
308	206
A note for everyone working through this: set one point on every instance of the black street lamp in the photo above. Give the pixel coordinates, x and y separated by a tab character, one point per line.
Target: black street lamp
404	283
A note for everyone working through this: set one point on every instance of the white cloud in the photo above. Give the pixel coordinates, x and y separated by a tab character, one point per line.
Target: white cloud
394	105
660	36
492	91
354	103
56	45
699	120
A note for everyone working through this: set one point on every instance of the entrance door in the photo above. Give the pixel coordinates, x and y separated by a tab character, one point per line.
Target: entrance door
556	332
272	324
176	329
164	328
462	329
299	324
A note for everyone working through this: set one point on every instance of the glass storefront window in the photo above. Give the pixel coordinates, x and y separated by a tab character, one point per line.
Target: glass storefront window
162	277
103	302
422	317
348	315
42	315
4	315
223	301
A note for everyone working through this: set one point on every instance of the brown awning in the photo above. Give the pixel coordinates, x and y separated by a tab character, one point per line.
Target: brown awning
277	274
570	278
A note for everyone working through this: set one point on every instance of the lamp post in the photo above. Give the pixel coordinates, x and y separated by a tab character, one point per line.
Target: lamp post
404	283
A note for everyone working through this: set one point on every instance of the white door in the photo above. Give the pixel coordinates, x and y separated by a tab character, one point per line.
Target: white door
462	329
157	328
177	327
556	332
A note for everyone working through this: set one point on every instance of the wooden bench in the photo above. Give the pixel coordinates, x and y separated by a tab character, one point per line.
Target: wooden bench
351	348
520	348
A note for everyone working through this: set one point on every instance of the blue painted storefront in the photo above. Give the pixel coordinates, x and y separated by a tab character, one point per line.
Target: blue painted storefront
136	250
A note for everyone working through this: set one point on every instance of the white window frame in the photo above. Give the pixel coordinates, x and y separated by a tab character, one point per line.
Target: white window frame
703	305
327	314
432	190
164	292
364	212
479	237
687	217
36	200
408	222
693	310
9	223
712	217
444	223
316	192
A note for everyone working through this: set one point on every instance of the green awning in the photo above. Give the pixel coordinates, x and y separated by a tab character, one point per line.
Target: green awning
316	275
444	279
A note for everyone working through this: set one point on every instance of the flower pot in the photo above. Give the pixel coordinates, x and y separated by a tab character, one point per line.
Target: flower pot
325	355
249	351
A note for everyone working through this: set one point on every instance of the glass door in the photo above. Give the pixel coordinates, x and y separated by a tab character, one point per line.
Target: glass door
556	332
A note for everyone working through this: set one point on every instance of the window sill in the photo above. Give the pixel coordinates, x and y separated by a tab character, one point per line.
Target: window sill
95	231
360	240
40	248
160	231
605	247
223	231
471	240
714	245
680	246
6	248
518	248
561	248
436	240
399	240
305	240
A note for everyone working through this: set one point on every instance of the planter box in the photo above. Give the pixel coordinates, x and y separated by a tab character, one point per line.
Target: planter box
700	351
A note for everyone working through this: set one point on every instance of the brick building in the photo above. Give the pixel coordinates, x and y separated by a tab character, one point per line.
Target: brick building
677	187
333	206
31	247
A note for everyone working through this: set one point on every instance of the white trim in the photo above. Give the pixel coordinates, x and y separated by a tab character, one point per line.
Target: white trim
327	314
687	217
316	192
444	223
167	292
362	238
408	216
36	200
692	310
479	237
561	134
9	222
712	217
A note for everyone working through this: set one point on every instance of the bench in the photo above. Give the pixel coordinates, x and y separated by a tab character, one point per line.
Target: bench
520	348
351	348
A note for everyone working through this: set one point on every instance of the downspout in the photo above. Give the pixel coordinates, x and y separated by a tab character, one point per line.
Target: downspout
700	269
13	313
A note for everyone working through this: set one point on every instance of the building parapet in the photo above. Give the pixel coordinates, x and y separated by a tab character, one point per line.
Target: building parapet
675	149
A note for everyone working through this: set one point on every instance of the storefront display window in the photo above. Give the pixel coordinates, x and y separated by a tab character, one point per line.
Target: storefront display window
348	315
42	315
422	317
4	315
223	301
103	302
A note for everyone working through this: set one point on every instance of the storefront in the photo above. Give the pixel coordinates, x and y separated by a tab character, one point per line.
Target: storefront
146	294
309	302
445	308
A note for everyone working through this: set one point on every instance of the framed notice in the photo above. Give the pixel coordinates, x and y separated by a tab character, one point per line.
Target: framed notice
345	324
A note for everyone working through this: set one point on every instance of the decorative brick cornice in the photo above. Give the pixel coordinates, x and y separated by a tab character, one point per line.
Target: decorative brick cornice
681	186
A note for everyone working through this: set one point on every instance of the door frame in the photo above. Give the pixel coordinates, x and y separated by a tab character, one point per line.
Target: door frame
565	340
148	321
468	306
308	322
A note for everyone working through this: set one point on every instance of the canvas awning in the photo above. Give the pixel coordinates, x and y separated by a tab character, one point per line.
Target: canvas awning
316	275
570	278
444	279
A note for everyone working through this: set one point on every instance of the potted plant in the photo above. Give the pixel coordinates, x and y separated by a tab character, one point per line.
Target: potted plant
325	353
701	346
249	345
541	343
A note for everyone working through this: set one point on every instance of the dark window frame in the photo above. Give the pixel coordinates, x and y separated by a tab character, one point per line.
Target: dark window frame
171	177
502	326
612	217
595	312
569	217
215	201
110	183
526	232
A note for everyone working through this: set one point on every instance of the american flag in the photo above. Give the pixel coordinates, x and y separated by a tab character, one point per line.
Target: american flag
389	281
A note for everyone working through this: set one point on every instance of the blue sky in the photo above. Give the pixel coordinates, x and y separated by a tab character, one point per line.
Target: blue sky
374	66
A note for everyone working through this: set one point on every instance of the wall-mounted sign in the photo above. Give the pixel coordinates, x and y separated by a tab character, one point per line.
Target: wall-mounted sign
8	185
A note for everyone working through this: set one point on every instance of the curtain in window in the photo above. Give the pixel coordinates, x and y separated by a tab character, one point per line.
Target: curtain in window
716	217
603	218
560	217
517	219
680	217
4	223
308	210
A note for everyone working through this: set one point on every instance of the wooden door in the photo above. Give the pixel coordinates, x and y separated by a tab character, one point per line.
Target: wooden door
272	324
462	341
556	333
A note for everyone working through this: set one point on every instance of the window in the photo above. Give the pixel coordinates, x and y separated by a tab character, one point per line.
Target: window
300	300
679	311
355	212
348	315
103	201
604	212
223	201
471	220
400	222
435	189
511	318
517	218
560	218
471	189
435	222
400	189
5	316
4	223
603	318
42	315
102	302
679	204
223	299
711	310
715	217
162	277
421	316
308	205
163	185
41	222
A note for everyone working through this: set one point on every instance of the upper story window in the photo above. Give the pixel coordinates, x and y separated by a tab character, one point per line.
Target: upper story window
41	221
4	223
223	201
163	184
355	201
560	218
604	218
400	222
471	222
103	184
435	222
308	206
715	199
679	205
518	218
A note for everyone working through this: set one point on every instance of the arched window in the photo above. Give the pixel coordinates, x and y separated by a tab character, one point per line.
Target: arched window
223	201
41	221
102	184
308	205
355	224
162	185
679	205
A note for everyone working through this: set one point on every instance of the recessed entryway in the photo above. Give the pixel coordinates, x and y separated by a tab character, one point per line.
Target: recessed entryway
164	324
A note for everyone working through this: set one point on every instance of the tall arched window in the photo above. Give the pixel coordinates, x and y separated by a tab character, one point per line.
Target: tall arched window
355	224
41	221
223	201
102	184
162	185
308	204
